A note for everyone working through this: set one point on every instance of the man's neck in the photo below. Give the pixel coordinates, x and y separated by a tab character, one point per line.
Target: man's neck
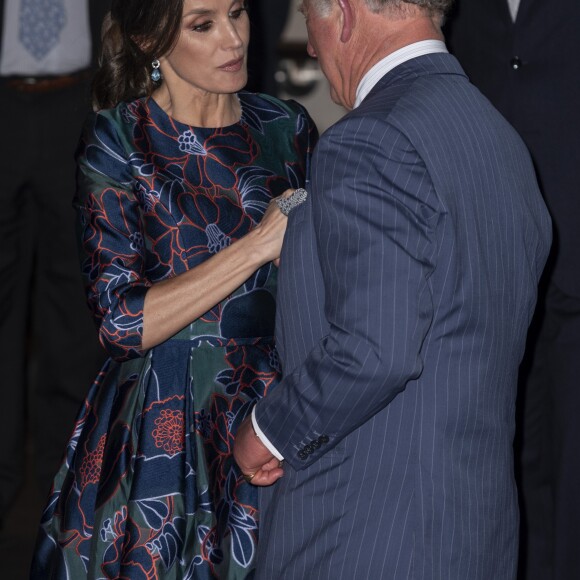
392	35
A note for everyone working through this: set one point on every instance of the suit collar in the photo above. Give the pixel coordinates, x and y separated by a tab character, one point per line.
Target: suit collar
393	60
429	64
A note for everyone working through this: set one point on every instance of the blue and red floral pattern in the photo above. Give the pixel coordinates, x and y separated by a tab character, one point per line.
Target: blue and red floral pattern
148	488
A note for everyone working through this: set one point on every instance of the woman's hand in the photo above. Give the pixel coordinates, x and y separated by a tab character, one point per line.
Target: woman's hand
269	233
172	304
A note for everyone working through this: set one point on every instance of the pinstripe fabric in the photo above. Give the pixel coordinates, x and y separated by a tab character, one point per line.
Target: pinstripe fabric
407	283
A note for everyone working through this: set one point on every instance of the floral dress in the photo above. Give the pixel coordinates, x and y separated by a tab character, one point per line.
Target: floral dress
148	487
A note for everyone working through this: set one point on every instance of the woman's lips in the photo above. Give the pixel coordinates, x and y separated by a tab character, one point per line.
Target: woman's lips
233	65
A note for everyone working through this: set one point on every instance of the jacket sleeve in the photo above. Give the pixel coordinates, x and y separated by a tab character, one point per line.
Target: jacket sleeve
374	212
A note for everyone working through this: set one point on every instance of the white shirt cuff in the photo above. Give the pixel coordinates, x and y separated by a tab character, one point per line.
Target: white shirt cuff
263	438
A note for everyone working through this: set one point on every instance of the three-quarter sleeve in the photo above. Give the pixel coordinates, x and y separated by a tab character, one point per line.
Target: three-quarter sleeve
111	238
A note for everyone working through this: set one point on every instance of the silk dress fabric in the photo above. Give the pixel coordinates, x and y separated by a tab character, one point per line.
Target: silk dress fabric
148	487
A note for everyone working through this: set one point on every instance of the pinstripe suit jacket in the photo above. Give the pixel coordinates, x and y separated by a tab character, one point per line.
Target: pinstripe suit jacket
407	283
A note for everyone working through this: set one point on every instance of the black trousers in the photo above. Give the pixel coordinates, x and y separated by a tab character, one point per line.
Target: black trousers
549	442
46	332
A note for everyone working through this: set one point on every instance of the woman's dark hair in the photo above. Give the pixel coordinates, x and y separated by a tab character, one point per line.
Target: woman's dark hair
134	33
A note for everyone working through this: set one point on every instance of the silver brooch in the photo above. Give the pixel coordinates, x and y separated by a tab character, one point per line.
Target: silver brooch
287	204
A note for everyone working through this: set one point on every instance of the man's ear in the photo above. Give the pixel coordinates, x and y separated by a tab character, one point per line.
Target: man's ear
348	20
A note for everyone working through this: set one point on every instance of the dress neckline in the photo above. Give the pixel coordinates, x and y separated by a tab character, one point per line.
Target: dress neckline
154	105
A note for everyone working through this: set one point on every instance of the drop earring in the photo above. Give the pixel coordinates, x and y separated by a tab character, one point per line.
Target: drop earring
155	73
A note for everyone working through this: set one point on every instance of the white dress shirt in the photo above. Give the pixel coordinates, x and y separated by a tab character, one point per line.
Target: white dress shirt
513	6
263	437
72	53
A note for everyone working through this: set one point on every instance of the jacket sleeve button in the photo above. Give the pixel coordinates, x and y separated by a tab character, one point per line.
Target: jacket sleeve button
516	63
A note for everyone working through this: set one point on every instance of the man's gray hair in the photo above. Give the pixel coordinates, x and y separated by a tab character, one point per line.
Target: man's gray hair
431	6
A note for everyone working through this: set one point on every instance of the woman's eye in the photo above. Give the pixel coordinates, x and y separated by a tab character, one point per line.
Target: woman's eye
237	13
203	27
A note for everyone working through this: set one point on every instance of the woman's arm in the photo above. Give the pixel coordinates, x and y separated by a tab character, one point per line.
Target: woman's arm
172	304
133	314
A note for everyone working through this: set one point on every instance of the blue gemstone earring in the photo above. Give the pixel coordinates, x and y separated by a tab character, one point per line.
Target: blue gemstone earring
155	73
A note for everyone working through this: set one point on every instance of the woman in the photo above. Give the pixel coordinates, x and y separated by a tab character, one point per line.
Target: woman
177	171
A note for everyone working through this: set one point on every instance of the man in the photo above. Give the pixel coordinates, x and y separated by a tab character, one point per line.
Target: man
523	57
408	279
47	49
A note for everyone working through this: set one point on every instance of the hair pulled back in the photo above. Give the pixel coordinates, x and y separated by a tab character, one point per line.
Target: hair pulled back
134	33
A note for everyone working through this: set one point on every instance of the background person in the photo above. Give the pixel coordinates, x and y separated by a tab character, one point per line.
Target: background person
47	51
176	174
522	57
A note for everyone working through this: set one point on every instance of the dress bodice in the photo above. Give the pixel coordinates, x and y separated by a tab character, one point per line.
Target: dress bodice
158	197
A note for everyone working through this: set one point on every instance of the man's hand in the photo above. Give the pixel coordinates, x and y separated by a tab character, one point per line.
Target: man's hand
258	465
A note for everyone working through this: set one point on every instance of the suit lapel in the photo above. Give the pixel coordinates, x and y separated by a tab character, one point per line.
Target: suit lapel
526	6
503	11
499	9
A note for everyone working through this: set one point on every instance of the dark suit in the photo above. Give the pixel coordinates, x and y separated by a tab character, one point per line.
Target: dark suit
406	286
530	70
46	333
